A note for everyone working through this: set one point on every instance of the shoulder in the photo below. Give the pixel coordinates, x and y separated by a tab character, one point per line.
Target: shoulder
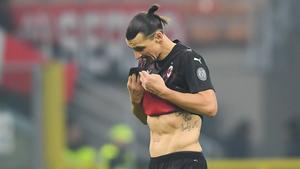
186	49
190	55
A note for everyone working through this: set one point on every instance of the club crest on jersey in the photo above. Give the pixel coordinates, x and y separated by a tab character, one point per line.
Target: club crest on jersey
168	73
201	74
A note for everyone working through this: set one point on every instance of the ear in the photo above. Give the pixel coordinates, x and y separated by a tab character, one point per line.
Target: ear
158	36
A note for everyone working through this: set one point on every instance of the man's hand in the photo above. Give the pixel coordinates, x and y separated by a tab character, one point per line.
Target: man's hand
135	89
153	83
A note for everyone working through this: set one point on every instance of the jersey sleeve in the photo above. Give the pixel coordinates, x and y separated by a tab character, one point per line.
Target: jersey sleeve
196	73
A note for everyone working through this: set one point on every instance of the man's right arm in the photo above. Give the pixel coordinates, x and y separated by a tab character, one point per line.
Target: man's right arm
138	111
136	93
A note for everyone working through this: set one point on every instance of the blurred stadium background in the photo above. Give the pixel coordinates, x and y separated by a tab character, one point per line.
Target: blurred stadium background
63	71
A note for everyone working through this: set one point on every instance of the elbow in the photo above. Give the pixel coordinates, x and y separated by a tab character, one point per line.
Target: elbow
209	104
212	110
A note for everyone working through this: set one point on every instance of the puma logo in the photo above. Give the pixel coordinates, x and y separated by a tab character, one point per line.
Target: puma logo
199	60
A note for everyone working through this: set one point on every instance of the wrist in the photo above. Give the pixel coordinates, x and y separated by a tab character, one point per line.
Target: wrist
164	94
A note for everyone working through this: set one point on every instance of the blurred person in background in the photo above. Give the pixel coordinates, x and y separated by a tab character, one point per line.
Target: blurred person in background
6	19
170	91
117	153
238	143
78	155
293	137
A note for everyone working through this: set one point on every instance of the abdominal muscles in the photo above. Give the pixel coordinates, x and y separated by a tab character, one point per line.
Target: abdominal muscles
174	132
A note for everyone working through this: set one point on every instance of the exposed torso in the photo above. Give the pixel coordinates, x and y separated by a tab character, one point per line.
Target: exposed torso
174	132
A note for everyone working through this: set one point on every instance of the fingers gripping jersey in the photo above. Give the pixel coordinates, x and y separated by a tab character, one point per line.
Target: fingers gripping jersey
182	70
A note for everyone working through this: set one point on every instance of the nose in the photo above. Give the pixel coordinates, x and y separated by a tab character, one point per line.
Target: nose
137	54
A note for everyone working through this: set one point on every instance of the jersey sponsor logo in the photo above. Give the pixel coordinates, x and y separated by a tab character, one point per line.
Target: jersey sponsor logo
199	60
201	74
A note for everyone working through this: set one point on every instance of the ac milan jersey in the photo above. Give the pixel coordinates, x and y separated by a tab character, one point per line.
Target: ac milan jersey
182	70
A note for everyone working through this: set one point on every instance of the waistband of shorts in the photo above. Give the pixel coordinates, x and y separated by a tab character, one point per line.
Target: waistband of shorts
177	155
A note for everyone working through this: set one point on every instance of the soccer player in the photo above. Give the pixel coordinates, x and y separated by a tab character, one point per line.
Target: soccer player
170	91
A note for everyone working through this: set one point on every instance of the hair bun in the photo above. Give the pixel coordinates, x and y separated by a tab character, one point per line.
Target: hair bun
152	9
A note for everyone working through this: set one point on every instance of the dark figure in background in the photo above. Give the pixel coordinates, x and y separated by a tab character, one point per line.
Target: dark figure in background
238	144
6	19
117	154
78	154
293	138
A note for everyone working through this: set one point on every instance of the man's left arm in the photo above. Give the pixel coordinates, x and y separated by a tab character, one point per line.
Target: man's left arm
202	103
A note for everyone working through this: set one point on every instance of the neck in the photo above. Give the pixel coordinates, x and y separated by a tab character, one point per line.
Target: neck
167	46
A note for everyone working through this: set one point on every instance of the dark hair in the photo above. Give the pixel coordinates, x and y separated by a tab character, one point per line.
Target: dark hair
145	23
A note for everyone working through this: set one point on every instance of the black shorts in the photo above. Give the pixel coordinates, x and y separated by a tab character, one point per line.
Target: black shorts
179	160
